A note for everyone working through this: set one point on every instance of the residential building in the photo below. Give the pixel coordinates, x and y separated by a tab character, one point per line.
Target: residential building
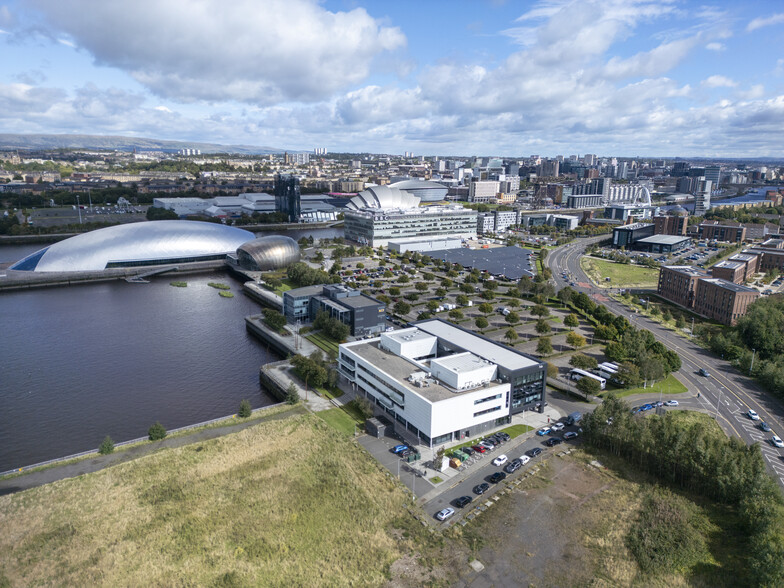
678	283
363	314
482	191
702	200
723	301
732	271
440	383
725	231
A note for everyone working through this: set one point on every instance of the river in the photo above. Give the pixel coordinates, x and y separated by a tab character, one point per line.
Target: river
111	358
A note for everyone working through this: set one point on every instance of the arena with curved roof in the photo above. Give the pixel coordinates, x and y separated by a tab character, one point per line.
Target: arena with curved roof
383	197
427	191
137	245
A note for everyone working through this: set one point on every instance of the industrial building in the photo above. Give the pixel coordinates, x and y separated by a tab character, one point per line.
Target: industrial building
665	244
363	314
442	383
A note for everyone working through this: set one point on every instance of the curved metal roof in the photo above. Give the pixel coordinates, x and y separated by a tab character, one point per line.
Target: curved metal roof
142	242
428	191
383	197
269	253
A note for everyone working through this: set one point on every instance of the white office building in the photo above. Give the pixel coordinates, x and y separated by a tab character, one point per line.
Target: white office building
441	383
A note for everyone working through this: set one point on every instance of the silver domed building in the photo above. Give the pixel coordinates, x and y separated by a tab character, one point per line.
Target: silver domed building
382	197
268	253
137	245
426	191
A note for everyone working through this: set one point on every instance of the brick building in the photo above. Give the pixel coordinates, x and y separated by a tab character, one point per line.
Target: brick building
732	271
678	283
726	231
723	301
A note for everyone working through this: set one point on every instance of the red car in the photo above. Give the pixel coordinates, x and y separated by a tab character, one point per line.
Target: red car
479	448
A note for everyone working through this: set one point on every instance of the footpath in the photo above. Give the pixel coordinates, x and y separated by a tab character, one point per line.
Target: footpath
25	481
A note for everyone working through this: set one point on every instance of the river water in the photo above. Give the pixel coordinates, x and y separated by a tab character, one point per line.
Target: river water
79	363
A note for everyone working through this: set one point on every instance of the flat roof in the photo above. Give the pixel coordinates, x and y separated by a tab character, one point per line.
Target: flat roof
400	368
664	239
305	291
406	335
485	348
512	262
686	269
461	362
633	227
729	285
358	301
730	264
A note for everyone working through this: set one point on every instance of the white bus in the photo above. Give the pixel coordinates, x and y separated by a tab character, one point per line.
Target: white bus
577	374
612	366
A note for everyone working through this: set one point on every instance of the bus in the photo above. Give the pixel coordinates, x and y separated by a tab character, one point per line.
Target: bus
577	374
607	364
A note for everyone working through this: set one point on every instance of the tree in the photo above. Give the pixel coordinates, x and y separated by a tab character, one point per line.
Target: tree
565	295
589	386
292	394
510	335
461	299
467	288
245	409
421	286
571	321
107	446
583	362
545	346
394	291
540	310
680	323
481	322
485	308
447	283
156	432
402	308
575	339
360	265
666	316
274	320
440	292
364	406
512	318
403	279
456	314
487	295
432	305
491	285
543	327
628	375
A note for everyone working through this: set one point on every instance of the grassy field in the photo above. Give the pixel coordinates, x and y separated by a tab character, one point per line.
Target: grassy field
622	275
322	342
669	385
285	503
340	420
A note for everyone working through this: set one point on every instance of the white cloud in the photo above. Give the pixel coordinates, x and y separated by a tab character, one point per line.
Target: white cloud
244	50
765	21
718	81
67	43
715	47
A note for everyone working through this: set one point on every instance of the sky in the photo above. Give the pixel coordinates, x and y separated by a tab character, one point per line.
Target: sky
435	77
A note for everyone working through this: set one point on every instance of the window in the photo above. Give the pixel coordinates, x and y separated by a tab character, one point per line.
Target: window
488	399
495	408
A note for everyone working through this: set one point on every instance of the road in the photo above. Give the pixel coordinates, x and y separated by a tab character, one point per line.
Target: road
727	393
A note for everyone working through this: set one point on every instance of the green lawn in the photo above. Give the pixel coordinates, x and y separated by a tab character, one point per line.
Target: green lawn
669	385
622	275
322	342
339	419
330	392
513	431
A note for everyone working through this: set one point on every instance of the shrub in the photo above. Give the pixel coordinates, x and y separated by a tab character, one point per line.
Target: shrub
245	409
107	446
292	395
156	432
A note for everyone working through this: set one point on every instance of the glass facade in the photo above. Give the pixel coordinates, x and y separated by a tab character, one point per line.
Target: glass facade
377	227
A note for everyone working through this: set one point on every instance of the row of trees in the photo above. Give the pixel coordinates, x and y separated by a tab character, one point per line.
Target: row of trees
704	461
314	371
330	326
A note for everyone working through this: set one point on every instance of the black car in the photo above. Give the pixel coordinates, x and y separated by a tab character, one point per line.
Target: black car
463	501
553	441
491	441
503	436
534	452
513	466
468	451
481	488
497	477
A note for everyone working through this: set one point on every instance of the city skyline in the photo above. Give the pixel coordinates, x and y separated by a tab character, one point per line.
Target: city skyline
626	78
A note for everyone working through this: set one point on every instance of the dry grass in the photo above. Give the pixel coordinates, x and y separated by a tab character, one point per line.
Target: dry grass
288	502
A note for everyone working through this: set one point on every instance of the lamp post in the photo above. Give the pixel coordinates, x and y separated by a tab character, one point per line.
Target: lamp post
79	209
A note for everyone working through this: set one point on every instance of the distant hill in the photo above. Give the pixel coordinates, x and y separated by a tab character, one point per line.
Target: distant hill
12	141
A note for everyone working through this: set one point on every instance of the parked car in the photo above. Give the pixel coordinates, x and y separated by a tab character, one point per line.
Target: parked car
399	448
765	427
513	466
534	452
752	414
704	373
569	435
481	488
671	403
524	459
544	431
463	501
504	436
444	514
497	477
557	427
479	448
467	450
776	440
552	442
500	460
405	453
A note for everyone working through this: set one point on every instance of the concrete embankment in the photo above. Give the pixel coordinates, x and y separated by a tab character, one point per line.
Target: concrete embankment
263	296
